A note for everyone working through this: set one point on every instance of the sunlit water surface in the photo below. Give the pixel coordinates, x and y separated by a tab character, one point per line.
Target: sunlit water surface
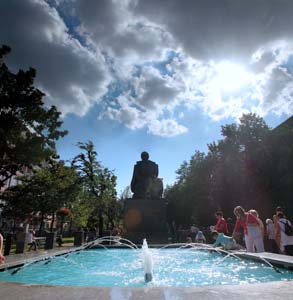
123	268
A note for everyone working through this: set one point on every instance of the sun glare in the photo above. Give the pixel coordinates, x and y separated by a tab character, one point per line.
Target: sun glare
231	77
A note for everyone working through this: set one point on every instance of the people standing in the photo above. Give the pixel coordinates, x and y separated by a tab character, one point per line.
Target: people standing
261	225
251	227
270	243
286	241
221	225
277	226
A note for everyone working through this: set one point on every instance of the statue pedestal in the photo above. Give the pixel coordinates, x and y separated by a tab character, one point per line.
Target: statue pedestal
145	218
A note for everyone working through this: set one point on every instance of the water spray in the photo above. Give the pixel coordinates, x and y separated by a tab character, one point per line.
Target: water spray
147	262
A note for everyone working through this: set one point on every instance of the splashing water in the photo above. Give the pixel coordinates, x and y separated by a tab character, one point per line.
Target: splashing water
110	239
147	262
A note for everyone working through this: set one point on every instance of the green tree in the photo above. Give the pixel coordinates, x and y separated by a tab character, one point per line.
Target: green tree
126	193
233	172
28	130
50	188
98	182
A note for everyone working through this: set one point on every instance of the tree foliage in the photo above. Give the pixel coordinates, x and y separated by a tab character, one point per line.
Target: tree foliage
99	187
28	130
235	171
52	187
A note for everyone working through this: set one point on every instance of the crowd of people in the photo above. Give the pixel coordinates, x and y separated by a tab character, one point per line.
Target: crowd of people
249	230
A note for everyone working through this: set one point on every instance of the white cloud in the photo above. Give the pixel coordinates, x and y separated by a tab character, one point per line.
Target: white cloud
166	128
128	42
73	77
126	114
135	117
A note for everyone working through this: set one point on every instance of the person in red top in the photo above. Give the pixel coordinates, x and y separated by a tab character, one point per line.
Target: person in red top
251	228
221	225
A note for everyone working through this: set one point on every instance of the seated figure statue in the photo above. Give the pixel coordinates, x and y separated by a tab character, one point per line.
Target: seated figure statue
145	183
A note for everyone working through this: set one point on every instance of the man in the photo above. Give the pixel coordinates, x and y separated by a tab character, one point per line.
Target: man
221	225
144	183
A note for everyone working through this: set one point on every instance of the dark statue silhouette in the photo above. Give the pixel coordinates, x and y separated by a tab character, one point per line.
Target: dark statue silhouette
145	183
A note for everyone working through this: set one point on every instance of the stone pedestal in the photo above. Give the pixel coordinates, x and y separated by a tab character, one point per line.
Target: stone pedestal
20	242
145	218
78	238
50	240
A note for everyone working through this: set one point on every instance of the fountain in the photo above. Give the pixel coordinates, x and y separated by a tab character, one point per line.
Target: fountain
147	262
117	262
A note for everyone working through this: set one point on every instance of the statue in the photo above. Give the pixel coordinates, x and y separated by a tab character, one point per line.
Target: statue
145	183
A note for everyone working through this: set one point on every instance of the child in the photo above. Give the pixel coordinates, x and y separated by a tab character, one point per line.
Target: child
188	239
31	240
227	242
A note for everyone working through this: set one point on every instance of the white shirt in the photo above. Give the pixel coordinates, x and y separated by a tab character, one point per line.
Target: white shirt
270	231
30	238
194	229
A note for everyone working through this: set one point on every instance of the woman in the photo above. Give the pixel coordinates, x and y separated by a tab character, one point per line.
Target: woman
262	227
251	227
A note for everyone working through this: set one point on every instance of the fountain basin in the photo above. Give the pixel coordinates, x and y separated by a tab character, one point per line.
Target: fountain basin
124	268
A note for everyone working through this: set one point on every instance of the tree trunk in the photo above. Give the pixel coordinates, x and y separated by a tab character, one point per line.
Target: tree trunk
70	226
52	222
42	223
61	225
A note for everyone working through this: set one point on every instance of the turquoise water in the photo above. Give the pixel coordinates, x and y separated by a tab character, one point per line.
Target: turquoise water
123	268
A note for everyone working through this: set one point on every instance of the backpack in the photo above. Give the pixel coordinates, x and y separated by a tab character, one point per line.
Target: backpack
288	228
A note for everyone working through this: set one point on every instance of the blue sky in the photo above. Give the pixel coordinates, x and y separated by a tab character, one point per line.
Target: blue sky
157	76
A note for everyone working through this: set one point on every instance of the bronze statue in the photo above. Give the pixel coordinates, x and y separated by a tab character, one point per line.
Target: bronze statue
145	183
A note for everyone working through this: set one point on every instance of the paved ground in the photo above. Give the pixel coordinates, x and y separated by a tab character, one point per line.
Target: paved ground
265	291
282	290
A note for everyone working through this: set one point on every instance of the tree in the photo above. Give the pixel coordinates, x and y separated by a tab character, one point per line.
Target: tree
51	188
235	171
126	193
97	181
28	129
239	174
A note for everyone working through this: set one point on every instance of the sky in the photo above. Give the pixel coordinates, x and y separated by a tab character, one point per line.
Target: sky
157	76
